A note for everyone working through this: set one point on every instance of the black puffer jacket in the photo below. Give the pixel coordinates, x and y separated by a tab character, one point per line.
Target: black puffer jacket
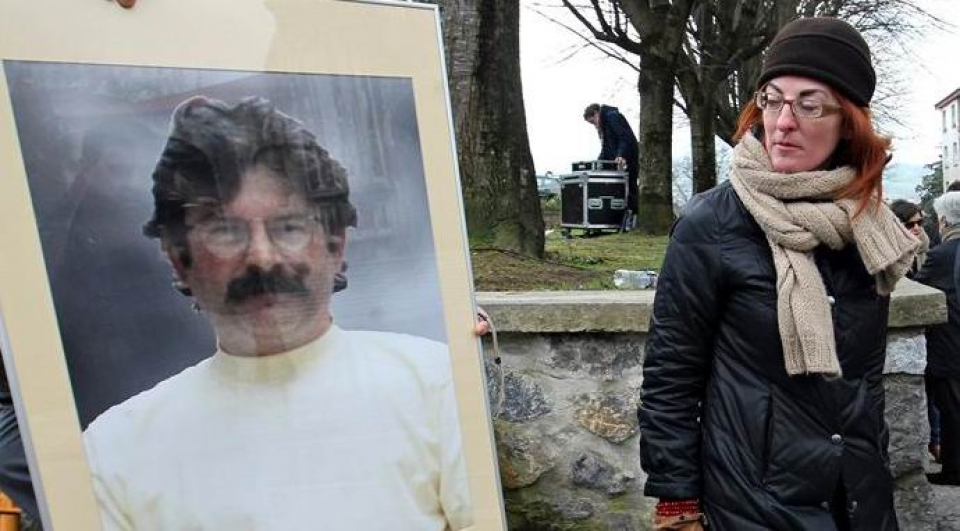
942	271
720	418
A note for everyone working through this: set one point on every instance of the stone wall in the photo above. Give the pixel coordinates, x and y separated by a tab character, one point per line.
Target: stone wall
565	394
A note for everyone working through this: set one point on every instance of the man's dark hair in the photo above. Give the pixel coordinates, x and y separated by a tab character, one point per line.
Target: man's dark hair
591	109
212	144
953	187
904	209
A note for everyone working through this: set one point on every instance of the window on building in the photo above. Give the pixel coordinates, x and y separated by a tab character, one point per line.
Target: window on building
943	116
953	113
954	153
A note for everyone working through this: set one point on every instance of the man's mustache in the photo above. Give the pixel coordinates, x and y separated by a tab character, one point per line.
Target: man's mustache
257	282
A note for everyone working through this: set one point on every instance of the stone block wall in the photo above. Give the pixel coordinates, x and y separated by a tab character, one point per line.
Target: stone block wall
565	394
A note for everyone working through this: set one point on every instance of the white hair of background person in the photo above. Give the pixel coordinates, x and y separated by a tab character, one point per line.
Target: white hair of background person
948	208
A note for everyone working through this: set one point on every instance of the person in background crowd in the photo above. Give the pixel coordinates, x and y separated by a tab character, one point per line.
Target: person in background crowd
912	218
763	405
14	473
942	271
930	225
617	143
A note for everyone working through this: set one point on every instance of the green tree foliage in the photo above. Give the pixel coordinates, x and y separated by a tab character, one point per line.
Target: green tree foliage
930	188
931	185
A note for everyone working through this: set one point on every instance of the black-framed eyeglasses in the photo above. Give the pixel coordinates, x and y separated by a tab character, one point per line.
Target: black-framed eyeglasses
803	107
913	223
228	237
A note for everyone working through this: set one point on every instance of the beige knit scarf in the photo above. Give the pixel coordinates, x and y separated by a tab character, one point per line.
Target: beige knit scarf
922	250
797	213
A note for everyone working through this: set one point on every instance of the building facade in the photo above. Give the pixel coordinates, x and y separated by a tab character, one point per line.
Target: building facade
950	137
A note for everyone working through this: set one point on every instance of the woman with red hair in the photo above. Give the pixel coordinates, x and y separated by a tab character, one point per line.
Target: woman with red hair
763	405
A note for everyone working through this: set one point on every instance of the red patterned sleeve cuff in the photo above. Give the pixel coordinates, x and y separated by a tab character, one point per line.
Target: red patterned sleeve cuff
677	507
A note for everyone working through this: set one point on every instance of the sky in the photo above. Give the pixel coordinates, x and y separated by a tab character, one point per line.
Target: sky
560	77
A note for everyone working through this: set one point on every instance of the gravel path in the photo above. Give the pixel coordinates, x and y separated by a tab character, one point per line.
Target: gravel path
946	503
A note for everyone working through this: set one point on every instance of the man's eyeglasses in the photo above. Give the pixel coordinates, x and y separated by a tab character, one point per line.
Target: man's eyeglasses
228	237
802	107
913	223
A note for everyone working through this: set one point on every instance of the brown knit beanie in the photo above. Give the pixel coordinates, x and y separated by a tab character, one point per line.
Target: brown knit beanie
826	49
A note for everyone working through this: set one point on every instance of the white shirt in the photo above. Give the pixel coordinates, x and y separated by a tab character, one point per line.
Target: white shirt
355	431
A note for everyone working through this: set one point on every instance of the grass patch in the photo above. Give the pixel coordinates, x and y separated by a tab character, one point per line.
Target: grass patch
608	252
551	204
577	263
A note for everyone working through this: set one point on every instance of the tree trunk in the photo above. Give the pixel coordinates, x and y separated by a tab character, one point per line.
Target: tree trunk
703	150
482	40
656	145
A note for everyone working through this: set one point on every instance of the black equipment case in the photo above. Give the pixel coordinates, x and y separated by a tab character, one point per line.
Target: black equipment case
593	198
594	165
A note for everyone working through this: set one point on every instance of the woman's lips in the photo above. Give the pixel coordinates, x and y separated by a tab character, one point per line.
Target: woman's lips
785	145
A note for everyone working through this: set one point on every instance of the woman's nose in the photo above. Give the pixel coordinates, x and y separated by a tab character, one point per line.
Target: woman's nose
786	119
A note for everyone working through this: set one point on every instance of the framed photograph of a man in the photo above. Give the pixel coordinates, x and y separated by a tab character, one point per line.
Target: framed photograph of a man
240	297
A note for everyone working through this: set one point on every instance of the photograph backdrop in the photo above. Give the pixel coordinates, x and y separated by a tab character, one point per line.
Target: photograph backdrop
91	136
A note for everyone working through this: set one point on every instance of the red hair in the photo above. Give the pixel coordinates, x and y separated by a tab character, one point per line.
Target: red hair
860	147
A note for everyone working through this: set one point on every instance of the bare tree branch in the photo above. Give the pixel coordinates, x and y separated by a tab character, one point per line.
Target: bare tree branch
601	46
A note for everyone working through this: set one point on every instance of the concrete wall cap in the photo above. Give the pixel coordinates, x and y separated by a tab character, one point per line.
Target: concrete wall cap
911	305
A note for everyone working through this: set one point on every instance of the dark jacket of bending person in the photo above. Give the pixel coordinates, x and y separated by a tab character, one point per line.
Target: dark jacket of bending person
763	405
617	143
